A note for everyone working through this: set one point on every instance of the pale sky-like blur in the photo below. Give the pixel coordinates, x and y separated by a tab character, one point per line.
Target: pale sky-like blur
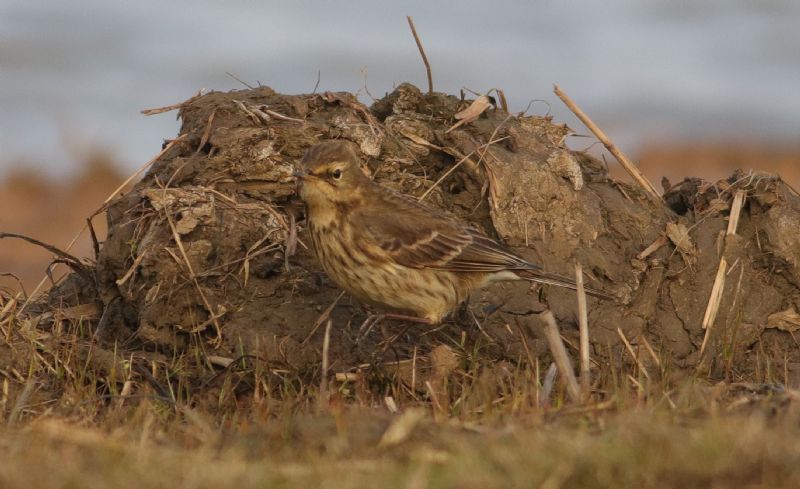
74	75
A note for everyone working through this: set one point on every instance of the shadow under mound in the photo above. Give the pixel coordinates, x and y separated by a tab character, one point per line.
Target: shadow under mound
207	257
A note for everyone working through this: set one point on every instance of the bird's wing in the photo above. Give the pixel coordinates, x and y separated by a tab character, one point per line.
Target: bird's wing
416	236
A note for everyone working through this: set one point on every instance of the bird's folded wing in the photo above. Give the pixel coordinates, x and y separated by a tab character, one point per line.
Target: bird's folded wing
414	236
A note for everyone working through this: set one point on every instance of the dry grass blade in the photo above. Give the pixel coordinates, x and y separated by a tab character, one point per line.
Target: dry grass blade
322	317
503	102
633	354
654	246
22	400
560	356
627	164
454	167
583	325
736	210
136	262
650	350
73	262
138	172
239	80
169	108
324	396
280	116
719	281
475	109
548	383
713	302
422	53
206	133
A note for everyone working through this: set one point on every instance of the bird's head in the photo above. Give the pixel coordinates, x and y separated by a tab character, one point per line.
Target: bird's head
329	175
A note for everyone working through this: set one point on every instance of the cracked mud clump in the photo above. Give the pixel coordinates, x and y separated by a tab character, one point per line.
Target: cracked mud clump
208	253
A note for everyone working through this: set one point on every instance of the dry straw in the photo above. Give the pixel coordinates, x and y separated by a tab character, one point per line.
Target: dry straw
626	163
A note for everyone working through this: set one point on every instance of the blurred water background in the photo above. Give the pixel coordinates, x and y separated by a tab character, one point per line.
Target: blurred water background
74	75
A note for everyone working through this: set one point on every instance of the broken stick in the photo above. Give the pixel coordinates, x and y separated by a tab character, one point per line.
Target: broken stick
422	53
719	281
627	164
560	357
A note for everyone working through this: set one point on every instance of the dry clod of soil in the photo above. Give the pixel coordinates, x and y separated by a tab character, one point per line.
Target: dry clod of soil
196	257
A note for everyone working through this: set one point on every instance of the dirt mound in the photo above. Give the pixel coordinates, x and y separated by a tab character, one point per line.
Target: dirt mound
208	253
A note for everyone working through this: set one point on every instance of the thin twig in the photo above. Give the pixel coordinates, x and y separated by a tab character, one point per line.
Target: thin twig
454	167
719	281
654	246
282	117
559	353
627	164
502	96
239	80
323	382
136	262
322	317
422	53
93	235
583	325
736	210
139	172
316	85
70	260
168	108
715	298
206	134
650	350
547	383
633	354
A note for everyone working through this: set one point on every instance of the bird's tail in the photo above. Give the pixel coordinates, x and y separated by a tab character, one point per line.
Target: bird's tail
542	277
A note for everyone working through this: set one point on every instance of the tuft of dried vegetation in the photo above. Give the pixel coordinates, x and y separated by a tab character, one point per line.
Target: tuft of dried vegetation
203	342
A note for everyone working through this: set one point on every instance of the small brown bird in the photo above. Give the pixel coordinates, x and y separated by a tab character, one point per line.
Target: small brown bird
390	250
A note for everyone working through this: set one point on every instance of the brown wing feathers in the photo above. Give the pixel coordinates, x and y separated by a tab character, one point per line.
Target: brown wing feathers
424	238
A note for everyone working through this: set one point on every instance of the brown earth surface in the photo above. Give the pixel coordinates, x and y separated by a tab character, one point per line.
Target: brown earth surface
54	210
119	379
200	259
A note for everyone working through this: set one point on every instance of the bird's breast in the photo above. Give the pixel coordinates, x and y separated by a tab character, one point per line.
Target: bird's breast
367	272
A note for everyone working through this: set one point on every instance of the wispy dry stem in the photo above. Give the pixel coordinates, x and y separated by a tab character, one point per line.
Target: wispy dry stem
583	325
736	210
719	281
168	108
323	381
322	317
627	164
422	53
633	353
560	357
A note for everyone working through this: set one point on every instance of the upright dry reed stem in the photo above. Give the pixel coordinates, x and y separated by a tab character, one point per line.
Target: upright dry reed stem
583	325
626	163
560	357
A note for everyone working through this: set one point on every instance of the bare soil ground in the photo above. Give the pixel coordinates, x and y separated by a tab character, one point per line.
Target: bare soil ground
195	337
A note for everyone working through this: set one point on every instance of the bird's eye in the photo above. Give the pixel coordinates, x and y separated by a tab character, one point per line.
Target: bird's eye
336	174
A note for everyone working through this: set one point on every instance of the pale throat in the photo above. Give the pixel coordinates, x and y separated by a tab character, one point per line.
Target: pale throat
321	209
